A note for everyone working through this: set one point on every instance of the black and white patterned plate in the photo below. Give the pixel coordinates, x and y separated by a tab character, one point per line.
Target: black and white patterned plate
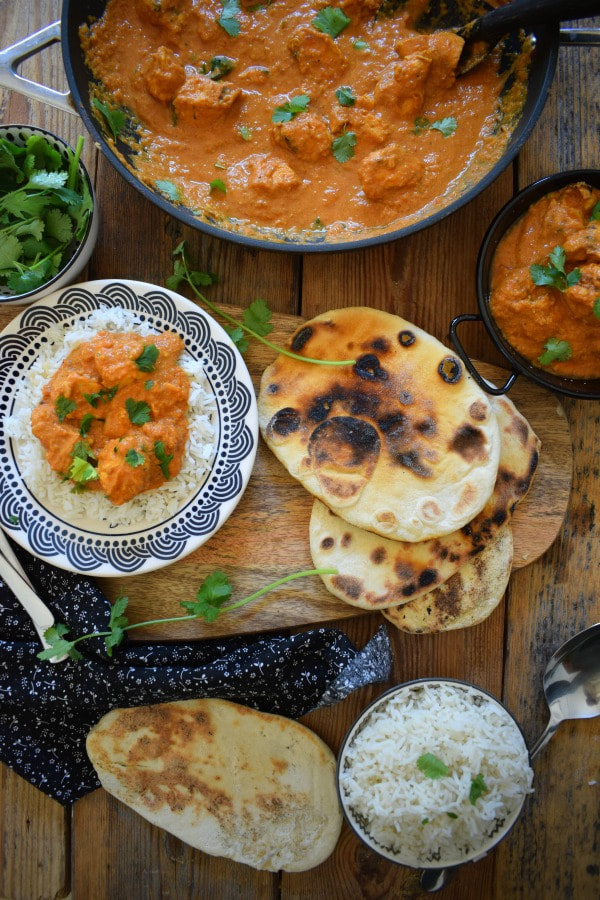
93	546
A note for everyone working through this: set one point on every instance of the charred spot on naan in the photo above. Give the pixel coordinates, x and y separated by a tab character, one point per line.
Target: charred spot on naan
343	452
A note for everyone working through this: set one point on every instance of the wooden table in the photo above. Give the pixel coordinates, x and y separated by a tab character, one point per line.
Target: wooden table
100	848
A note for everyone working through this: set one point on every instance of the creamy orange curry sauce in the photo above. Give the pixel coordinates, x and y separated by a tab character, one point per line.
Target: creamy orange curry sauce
545	283
113	417
299	116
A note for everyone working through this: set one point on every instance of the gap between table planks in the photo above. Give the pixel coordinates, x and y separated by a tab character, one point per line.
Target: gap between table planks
266	537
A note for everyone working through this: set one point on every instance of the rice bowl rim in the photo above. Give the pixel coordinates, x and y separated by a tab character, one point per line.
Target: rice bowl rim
358	724
99	551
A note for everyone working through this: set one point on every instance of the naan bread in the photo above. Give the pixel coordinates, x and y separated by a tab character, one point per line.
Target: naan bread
375	572
403	443
467	598
256	788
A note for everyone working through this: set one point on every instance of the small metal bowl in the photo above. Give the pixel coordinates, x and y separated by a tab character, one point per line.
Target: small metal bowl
437	870
82	250
580	388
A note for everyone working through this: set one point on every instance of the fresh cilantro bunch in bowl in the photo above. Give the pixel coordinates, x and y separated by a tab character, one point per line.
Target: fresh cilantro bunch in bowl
48	216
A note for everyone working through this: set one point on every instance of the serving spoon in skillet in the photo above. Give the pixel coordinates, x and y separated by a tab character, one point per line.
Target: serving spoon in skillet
483	33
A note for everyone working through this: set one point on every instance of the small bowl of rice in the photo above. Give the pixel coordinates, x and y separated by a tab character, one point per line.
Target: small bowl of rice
433	774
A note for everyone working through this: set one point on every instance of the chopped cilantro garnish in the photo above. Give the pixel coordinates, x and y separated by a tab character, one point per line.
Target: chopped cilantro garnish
163	458
478	788
345	95
81	471
138	411
290	108
217	184
359	44
134	459
554	274
63	407
331	20
114	117
596	307
245	132
343	146
596	212
431	766
220	66
170	190
147	358
228	20
556	351
86	424
445	126
148	385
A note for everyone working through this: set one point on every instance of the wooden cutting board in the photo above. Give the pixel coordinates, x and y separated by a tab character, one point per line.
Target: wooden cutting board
266	537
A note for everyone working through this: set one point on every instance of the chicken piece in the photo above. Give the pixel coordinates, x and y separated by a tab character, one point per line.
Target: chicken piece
306	135
317	54
584	245
169	15
582	296
386	172
57	438
125	467
115	357
163	74
363	9
443	48
270	174
403	86
163	397
201	98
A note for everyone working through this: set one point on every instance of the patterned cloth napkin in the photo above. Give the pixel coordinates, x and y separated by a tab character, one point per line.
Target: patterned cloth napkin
47	709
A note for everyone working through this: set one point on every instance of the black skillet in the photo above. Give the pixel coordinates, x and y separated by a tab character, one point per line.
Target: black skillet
453	12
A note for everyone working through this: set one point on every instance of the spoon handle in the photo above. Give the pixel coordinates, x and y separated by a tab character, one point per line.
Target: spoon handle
544	738
498	22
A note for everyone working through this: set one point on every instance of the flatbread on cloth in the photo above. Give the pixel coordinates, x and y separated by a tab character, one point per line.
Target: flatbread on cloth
467	598
253	787
402	443
375	572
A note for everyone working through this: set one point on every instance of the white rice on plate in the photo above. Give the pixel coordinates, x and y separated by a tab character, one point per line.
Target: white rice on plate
147	509
424	821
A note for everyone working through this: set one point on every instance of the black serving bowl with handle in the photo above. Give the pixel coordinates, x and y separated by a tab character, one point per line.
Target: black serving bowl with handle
581	388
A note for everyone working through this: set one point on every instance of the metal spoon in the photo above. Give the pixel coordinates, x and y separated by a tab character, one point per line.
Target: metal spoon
572	683
482	34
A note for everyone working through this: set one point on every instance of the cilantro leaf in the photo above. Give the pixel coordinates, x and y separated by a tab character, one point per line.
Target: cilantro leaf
554	275
63	407
245	132
359	44
556	351
163	458
114	117
59	645
331	20
596	307
217	184
220	66
86	424
82	472
446	126
343	146
595	216
345	95
478	788
59	225
213	592
147	358
431	766
138	411
290	108
134	459
228	20
170	190
236	333
10	251
148	385
116	624
257	317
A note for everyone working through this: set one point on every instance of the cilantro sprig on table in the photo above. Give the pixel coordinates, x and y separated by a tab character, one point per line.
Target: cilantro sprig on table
213	593
256	318
44	210
554	274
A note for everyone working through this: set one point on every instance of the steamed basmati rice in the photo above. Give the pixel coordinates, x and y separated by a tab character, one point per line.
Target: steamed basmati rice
419	820
146	509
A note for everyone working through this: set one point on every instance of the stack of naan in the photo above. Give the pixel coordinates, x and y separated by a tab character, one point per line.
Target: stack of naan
415	470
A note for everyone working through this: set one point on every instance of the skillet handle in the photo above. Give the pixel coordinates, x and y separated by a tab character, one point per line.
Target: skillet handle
483	384
10	58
